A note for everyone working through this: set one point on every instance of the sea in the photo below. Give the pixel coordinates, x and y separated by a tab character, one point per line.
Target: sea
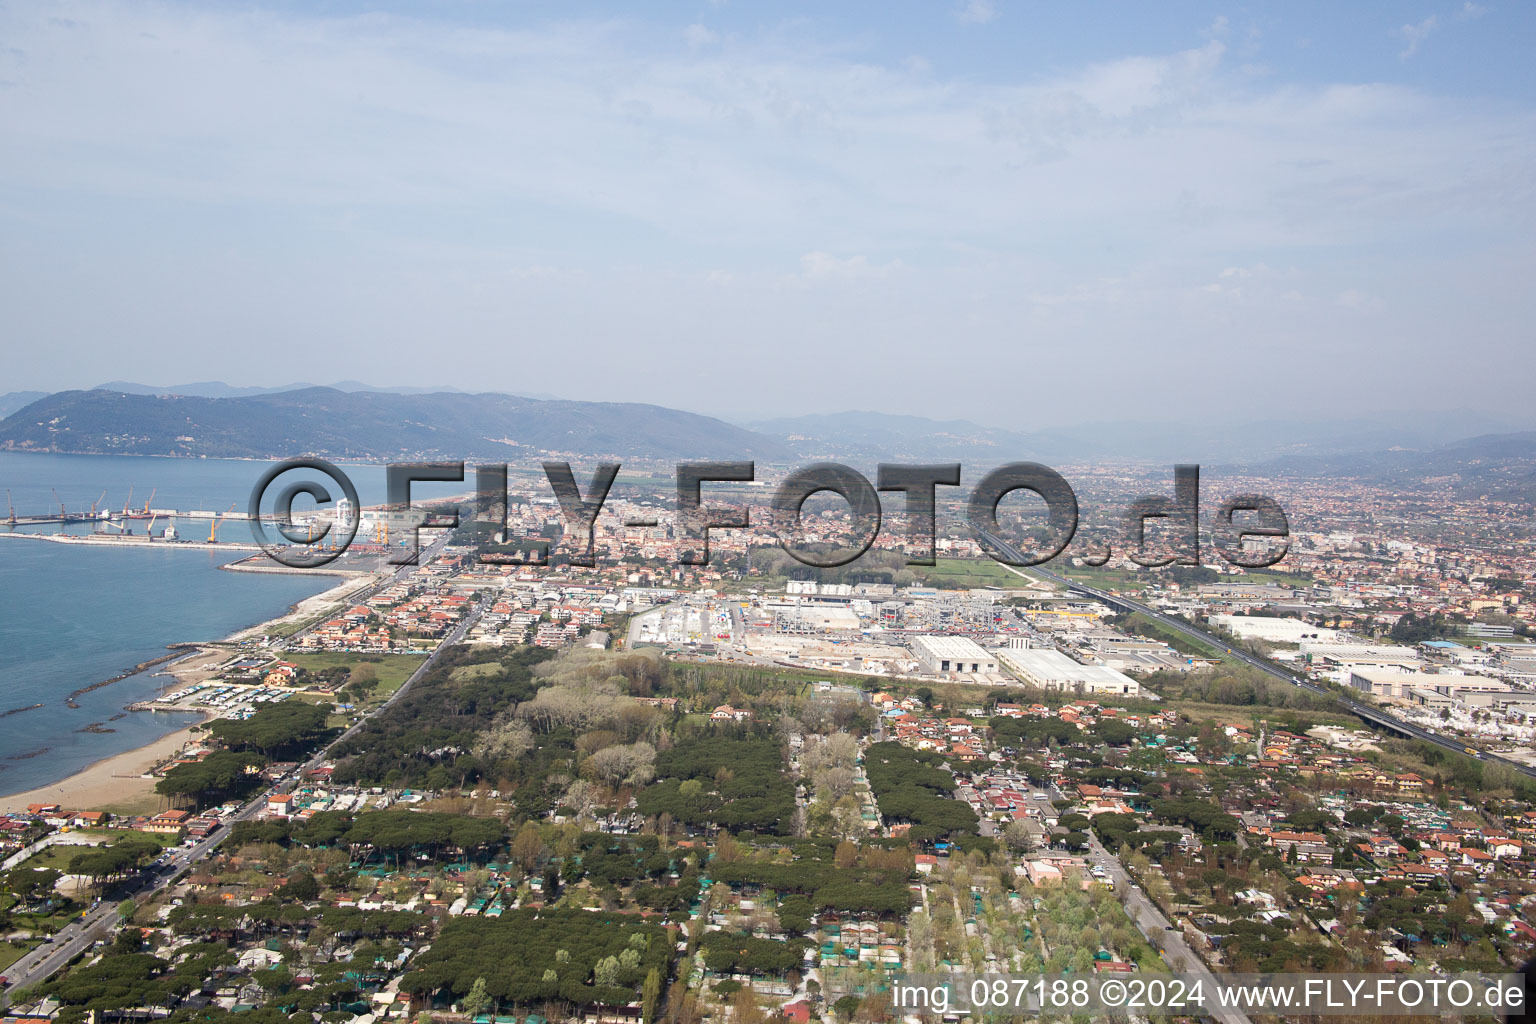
72	615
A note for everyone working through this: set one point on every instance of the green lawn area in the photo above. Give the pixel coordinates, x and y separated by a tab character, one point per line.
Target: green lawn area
489	668
112	834
392	669
1184	644
56	857
970	572
1244	714
11	952
1106	578
1284	579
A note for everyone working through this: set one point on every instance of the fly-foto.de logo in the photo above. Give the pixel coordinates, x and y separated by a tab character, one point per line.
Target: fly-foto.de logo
1248	530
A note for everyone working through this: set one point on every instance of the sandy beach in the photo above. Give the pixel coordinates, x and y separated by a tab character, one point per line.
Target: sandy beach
115	783
310	608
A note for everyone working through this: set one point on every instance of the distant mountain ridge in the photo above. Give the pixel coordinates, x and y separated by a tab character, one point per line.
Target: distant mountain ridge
873	434
13	400
382	424
219	389
1495	466
371	425
866	435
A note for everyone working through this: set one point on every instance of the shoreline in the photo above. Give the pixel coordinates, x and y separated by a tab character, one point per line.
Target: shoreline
113	781
349	583
118	780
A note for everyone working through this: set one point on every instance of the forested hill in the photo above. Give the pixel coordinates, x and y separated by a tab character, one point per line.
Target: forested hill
370	425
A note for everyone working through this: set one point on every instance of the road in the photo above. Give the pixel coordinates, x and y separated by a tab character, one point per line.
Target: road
1142	911
74	938
1371	715
1157	929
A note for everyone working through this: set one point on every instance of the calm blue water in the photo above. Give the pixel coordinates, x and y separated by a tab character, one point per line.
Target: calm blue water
72	616
183	484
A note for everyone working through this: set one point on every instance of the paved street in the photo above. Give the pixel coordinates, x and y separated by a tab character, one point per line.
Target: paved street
1157	929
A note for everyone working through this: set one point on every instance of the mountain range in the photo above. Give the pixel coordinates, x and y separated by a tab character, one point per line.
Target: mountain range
1496	466
13	400
219	389
371	425
1418	451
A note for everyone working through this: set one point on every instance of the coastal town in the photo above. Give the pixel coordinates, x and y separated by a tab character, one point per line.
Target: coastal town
726	513
755	791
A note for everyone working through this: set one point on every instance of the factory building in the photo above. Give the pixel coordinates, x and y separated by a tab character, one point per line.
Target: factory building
1052	670
953	655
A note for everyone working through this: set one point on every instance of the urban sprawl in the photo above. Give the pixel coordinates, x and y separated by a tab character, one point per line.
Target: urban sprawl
483	789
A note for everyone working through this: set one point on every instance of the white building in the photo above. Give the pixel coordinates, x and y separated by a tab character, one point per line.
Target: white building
953	655
1391	685
1401	685
1272	629
1052	670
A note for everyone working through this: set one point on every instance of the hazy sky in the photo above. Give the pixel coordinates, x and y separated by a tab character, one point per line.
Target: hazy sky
987	209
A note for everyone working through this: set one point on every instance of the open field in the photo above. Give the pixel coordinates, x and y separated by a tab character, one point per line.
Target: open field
970	572
392	669
1243	715
112	834
1106	578
1180	642
476	671
10	952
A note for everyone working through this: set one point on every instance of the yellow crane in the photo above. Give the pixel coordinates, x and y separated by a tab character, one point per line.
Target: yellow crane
213	531
128	505
12	519
60	501
95	504
151	498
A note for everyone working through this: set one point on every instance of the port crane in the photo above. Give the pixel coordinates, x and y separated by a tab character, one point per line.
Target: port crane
128	505
129	512
213	530
12	519
60	500
98	502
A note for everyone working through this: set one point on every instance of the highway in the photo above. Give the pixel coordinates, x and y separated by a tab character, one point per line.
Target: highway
77	936
1371	715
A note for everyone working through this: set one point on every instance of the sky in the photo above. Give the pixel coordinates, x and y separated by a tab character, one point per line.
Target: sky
1025	216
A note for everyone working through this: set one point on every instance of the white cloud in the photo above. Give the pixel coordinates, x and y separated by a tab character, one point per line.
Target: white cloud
976	12
1354	298
697	36
822	266
381	180
1414	35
